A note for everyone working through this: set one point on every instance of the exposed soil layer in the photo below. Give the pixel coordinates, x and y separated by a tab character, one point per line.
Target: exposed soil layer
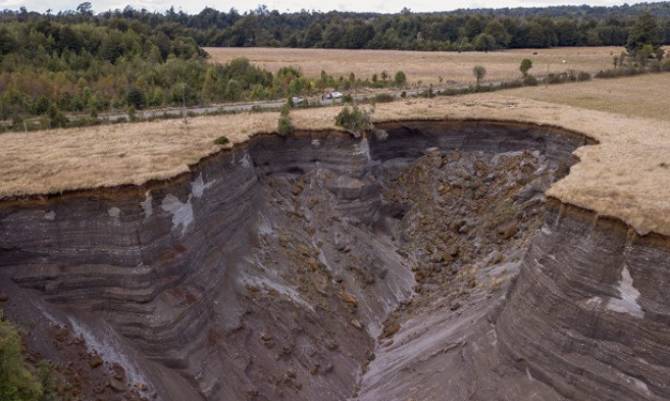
326	267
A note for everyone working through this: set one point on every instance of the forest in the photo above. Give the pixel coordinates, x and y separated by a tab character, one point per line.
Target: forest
87	62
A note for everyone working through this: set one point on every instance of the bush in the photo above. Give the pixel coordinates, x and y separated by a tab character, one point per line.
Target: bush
383	98
354	119
619	72
17	383
56	117
135	98
554	78
400	78
583	76
132	114
530	80
285	125
222	140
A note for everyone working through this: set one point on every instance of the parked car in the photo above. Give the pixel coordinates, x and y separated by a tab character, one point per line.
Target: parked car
298	101
332	95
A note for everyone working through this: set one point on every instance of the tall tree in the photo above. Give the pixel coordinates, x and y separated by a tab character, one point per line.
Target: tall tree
644	32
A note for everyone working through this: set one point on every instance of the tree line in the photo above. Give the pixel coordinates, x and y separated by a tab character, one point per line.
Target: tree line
78	64
80	61
462	30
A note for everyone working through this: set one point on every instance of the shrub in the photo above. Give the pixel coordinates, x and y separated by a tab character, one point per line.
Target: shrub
583	76
400	78
383	98
132	114
222	140
354	119
135	98
56	117
530	80
17	383
285	125
517	83
619	72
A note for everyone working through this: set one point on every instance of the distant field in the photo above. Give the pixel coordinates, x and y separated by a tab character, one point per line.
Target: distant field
641	96
423	66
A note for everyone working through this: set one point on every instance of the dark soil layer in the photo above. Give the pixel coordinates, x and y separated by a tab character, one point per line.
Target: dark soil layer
325	267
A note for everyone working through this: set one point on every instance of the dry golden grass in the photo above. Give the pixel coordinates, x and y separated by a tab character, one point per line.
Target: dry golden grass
627	175
58	160
642	96
423	66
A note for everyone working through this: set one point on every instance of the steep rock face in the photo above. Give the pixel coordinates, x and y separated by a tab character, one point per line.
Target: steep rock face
589	314
269	273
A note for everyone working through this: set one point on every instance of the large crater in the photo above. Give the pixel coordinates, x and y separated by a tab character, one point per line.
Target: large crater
420	262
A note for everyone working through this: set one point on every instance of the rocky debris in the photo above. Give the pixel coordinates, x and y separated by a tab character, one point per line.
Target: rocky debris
390	328
474	195
117	385
95	362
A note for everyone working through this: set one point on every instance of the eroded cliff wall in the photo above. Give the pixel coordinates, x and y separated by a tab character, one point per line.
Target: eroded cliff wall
271	271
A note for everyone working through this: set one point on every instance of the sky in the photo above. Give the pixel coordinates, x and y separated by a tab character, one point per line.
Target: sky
384	6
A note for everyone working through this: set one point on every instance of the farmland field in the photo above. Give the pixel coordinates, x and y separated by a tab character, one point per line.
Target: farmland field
427	67
640	96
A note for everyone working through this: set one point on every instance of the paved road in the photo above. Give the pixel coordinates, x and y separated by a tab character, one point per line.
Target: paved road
264	105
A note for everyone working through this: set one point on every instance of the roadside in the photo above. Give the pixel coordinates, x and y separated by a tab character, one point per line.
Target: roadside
357	96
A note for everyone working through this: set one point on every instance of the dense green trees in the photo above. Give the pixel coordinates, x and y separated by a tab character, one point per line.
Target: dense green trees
461	30
645	32
79	61
49	67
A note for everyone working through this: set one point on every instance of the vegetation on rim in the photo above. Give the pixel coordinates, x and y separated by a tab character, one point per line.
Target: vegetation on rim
354	119
284	124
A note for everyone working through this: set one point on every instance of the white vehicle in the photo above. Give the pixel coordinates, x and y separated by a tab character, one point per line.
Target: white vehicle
297	100
332	96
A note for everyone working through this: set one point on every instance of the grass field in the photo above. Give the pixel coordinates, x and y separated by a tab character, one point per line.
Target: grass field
423	66
625	175
642	96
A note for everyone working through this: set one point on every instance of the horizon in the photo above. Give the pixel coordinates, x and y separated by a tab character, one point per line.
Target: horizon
367	6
